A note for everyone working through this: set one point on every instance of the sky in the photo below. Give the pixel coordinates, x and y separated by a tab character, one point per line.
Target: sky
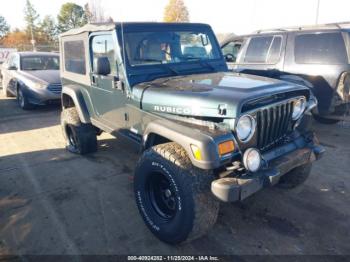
225	16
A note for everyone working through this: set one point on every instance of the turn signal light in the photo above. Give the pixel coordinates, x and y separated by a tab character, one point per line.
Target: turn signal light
226	147
196	152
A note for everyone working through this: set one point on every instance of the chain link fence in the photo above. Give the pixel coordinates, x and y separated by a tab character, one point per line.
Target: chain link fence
39	48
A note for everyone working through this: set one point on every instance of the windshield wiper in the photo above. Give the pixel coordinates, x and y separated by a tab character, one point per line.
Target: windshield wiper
168	67
202	62
171	69
150	60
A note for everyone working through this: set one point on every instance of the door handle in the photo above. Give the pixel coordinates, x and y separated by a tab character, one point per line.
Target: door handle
93	79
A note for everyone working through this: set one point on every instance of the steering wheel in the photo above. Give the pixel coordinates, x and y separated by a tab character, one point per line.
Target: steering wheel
230	58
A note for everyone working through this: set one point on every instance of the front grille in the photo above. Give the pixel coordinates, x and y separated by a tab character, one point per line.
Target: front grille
273	124
55	88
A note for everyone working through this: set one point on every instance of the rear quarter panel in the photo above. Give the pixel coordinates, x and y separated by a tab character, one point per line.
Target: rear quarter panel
324	77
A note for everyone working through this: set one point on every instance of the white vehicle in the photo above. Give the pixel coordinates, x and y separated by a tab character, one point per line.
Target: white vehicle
5	52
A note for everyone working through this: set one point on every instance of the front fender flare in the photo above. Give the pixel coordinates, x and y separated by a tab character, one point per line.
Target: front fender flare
185	137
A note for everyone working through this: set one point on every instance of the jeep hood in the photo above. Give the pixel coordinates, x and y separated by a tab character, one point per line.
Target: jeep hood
204	94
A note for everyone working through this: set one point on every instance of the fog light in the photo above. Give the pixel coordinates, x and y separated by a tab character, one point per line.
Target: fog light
252	160
196	152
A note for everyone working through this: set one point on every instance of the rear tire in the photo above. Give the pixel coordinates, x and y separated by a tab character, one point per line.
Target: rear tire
80	138
173	196
295	177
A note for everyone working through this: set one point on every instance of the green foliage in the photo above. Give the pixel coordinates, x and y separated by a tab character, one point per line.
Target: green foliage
95	12
31	17
71	16
176	11
48	29
4	27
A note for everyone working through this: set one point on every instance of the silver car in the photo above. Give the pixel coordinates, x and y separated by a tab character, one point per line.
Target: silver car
32	77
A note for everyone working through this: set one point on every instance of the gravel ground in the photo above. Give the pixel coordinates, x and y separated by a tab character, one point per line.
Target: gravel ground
54	202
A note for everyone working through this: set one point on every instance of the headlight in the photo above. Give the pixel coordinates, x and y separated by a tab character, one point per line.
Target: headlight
35	85
39	85
252	160
299	108
245	128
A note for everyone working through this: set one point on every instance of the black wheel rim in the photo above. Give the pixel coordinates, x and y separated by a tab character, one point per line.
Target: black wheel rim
162	196
72	140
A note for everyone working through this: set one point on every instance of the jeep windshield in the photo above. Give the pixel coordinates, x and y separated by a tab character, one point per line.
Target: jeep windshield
171	51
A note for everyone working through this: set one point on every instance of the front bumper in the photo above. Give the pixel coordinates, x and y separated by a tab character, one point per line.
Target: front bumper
40	96
277	163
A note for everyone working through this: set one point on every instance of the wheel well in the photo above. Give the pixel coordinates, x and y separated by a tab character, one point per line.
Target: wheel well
67	101
155	139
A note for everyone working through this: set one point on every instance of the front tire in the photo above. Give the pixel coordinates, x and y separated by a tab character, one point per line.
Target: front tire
22	100
173	196
80	138
295	177
326	121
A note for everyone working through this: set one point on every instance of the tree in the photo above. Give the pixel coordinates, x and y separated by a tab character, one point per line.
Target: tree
48	29
95	12
176	11
110	20
88	13
16	39
71	16
4	27
31	17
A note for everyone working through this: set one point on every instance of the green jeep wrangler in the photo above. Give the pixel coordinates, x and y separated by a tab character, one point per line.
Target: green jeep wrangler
205	134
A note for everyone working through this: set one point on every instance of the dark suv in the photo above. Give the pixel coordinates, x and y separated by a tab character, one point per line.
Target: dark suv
317	57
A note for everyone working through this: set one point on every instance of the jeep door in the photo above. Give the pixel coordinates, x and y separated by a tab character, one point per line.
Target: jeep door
108	101
262	52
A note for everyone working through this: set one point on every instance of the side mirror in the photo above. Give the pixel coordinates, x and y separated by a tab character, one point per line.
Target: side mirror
230	58
11	68
102	66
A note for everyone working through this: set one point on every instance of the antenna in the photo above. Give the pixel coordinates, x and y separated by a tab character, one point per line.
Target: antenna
124	56
123	44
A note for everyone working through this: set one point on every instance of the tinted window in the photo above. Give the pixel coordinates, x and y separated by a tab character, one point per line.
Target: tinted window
74	57
231	48
257	49
11	60
275	50
40	63
103	46
327	48
264	49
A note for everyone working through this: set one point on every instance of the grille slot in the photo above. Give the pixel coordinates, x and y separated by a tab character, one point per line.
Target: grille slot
55	88
273	123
